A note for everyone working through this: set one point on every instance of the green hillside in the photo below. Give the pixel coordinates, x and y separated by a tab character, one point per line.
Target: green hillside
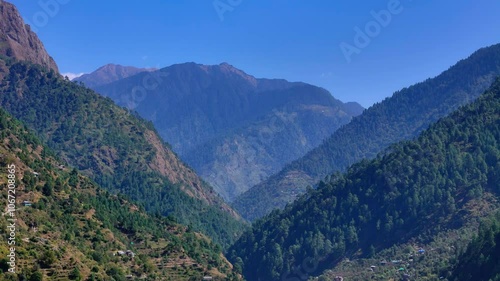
401	117
117	149
73	230
481	260
234	129
446	178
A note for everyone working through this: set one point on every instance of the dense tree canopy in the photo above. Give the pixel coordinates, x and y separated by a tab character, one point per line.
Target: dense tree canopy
481	260
401	117
413	188
114	147
73	229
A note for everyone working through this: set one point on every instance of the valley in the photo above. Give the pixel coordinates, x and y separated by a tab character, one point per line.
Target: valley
235	130
168	142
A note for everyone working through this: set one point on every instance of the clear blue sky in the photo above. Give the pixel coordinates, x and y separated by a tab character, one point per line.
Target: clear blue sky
293	39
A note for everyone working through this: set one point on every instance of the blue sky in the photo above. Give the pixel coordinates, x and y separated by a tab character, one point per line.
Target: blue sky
293	39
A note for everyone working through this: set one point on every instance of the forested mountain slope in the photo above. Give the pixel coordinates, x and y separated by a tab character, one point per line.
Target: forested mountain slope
235	130
414	189
402	116
70	229
120	151
481	260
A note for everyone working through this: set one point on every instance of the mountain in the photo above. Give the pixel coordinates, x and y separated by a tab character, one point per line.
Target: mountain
68	228
411	194
400	117
120	151
18	41
109	73
481	260
234	129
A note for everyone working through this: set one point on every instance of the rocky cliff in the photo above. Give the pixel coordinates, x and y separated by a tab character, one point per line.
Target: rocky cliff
18	41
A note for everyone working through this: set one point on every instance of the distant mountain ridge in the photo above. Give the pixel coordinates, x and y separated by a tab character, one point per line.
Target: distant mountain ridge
18	41
232	128
109	73
402	116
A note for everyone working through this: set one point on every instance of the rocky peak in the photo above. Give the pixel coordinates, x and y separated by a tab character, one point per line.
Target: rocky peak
227	68
18	41
110	73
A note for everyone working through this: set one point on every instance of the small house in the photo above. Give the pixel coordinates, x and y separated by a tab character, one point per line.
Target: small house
120	253
27	203
338	278
207	278
130	253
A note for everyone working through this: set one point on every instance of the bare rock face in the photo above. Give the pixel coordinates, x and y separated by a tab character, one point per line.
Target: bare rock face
18	41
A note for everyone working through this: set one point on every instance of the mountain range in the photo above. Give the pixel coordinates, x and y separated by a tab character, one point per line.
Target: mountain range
117	149
234	129
405	190
400	117
409	195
